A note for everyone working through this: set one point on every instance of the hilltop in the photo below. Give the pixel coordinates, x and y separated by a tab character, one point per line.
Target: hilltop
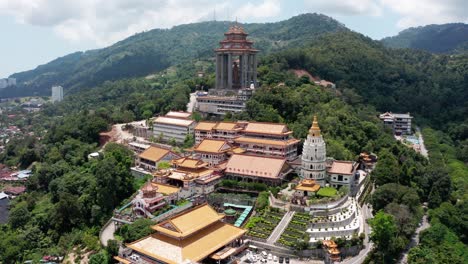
445	38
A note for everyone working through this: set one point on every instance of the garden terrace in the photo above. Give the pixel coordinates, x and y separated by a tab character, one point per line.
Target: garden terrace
262	225
294	233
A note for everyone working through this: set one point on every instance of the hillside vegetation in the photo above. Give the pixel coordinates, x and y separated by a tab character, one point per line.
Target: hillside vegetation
446	38
157	49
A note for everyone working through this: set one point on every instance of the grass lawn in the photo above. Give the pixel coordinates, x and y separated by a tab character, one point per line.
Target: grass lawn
327	192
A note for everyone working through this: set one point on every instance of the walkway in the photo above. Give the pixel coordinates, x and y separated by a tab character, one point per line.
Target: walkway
191	103
424	151
365	214
415	239
280	227
107	233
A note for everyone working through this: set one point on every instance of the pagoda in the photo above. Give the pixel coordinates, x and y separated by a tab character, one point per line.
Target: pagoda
236	61
314	155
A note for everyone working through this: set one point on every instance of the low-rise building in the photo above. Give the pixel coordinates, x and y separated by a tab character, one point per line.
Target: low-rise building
218	130
188	237
152	156
168	128
342	173
192	176
138	147
213	151
220	105
399	123
250	168
268	139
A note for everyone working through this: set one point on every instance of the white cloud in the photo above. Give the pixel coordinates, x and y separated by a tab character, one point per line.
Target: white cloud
423	12
345	7
265	9
104	22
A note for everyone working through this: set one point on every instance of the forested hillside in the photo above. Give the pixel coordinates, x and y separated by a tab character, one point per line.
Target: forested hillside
431	87
445	38
155	50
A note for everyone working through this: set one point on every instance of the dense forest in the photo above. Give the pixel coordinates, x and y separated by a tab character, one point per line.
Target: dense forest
69	197
445	38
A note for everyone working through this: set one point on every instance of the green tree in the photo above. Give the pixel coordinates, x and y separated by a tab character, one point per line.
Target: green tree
384	234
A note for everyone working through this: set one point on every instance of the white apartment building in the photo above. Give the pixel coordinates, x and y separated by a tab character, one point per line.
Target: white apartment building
57	93
399	123
173	128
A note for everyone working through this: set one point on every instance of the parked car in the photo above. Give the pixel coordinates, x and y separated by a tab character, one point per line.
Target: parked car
270	257
281	259
286	260
264	254
275	258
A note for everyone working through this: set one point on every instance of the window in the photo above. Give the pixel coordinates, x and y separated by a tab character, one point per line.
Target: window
340	177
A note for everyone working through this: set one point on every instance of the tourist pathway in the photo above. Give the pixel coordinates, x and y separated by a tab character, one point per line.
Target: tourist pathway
191	103
424	151
415	239
280	227
107	233
366	214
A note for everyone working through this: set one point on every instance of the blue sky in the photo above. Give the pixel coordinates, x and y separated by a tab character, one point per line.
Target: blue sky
35	32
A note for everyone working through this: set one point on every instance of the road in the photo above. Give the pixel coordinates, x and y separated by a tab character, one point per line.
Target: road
280	227
191	103
415	239
424	151
107	233
366	214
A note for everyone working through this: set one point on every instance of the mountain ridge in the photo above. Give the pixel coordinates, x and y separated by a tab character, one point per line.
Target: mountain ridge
442	38
154	50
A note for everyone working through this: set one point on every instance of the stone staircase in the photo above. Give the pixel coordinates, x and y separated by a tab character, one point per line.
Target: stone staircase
280	227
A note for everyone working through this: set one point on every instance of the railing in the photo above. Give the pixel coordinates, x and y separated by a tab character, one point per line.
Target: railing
172	212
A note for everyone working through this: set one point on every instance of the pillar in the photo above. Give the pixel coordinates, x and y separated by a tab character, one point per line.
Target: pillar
229	68
218	72
221	86
241	70
246	71
254	73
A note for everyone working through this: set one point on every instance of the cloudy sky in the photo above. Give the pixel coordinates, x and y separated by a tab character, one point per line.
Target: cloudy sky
34	32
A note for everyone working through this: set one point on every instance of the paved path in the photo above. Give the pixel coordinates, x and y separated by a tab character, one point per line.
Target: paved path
280	227
424	151
415	239
366	214
191	103
107	233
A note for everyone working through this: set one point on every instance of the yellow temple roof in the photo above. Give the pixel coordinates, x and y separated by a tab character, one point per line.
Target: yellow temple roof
193	248
189	222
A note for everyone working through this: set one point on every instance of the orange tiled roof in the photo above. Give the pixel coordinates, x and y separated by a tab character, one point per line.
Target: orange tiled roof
226	126
266	167
193	248
212	146
154	153
189	221
283	143
267	128
342	167
308	185
205	126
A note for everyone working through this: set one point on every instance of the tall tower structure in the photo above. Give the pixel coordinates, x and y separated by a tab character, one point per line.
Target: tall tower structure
314	155
57	93
236	61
